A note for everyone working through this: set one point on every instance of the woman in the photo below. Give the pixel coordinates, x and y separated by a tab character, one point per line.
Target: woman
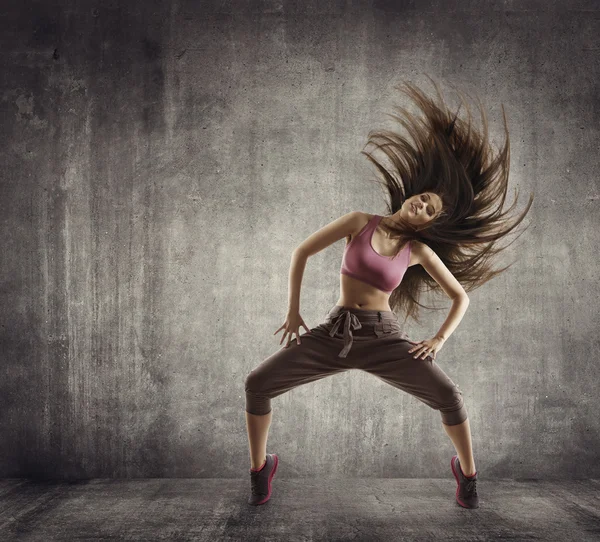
445	218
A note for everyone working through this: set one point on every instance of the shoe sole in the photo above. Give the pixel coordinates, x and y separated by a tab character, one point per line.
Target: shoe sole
464	505
271	476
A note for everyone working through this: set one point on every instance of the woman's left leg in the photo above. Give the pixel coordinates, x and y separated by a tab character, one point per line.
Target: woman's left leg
390	360
460	435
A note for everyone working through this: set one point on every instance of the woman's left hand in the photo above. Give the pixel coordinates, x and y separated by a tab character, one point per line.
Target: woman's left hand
428	346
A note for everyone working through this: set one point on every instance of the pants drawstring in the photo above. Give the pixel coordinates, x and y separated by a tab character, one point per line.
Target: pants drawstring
351	322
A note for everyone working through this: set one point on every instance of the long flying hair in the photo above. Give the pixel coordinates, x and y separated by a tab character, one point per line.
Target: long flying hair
450	157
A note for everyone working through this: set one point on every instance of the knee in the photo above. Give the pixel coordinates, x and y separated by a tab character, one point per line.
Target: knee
252	382
451	396
452	409
258	401
259	381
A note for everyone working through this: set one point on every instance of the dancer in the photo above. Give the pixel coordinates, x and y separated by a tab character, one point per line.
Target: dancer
444	220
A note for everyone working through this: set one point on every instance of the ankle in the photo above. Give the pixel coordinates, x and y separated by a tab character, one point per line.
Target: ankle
260	465
468	473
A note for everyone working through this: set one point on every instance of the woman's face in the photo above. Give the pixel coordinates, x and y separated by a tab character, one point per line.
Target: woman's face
421	208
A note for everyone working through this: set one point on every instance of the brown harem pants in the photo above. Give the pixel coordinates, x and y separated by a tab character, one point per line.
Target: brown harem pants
370	340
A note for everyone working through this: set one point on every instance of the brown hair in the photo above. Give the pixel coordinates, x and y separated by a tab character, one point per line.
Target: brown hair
450	157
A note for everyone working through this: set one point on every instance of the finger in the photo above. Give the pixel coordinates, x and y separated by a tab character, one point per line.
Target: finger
279	329
307	330
298	338
283	337
291	338
414	347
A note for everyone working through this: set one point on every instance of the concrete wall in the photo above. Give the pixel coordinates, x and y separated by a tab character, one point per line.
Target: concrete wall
162	159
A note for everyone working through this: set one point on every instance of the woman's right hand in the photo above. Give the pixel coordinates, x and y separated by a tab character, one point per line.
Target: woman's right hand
291	325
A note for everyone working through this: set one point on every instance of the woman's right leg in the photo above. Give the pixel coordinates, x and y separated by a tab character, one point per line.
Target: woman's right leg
313	359
258	432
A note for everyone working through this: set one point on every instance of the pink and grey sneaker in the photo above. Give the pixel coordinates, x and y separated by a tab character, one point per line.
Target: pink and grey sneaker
260	480
466	490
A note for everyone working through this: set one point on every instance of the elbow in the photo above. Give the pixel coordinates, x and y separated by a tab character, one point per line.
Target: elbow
463	298
299	253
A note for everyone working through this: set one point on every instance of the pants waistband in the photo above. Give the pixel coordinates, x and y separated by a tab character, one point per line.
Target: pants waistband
364	315
352	319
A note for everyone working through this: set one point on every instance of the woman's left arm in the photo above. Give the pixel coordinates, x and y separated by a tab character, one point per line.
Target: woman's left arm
457	311
432	263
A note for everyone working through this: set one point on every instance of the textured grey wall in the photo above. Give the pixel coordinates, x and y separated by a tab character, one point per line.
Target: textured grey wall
161	161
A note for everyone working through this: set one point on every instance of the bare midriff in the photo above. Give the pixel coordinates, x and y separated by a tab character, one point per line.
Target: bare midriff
356	294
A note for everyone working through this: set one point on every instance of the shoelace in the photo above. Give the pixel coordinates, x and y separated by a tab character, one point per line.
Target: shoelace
472	487
254	484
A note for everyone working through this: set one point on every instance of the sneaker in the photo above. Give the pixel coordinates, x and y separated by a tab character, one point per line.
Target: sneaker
260	481
466	489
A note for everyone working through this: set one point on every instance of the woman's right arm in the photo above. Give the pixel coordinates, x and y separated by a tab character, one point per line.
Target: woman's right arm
342	227
334	231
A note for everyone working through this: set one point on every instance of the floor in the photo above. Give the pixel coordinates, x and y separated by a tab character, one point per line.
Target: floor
299	510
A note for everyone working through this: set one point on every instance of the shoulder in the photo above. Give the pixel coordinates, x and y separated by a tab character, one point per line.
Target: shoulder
420	251
364	216
361	219
419	248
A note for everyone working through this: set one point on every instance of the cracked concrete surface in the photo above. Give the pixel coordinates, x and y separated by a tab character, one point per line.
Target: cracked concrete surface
160	163
299	510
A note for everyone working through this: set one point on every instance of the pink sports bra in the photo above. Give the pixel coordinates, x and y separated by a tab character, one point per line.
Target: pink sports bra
361	262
